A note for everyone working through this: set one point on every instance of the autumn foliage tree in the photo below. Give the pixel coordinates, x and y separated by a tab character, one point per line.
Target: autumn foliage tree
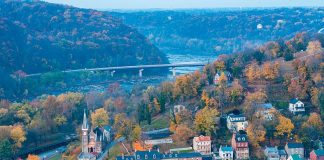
185	87
205	120
253	72
33	157
315	95
136	133
205	98
313	127
99	117
235	93
256	133
124	126
182	134
285	127
271	49
314	47
270	71
18	135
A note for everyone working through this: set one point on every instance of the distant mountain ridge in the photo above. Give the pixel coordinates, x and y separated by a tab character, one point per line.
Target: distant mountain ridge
213	31
40	37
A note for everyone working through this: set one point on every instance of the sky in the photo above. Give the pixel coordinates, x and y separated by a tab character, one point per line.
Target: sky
185	4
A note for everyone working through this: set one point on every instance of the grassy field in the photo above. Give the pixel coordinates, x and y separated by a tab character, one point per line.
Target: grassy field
158	122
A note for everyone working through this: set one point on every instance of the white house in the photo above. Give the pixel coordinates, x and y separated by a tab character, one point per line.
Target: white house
272	153
266	111
296	106
178	108
216	78
236	123
218	74
226	153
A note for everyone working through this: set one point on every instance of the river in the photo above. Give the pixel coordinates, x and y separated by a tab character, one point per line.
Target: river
128	83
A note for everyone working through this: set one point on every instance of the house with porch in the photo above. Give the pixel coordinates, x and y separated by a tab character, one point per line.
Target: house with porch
296	106
236	122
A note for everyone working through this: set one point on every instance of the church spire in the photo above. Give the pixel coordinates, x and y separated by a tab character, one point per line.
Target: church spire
84	133
85	123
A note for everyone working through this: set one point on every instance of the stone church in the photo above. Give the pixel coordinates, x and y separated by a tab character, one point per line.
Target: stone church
93	142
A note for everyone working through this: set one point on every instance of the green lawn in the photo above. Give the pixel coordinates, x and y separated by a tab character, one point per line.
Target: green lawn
158	122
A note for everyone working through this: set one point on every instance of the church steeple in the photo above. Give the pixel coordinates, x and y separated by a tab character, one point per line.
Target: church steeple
84	133
85	122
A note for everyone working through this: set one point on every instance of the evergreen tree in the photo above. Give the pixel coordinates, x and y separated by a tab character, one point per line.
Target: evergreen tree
5	149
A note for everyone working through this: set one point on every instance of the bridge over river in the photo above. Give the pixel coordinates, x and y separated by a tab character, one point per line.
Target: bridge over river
139	67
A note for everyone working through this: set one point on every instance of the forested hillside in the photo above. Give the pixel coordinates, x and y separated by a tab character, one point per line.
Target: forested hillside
221	31
41	37
273	73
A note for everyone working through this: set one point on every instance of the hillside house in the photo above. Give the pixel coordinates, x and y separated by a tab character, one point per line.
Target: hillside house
178	109
240	145
236	122
296	106
294	148
202	145
218	74
265	110
226	153
272	153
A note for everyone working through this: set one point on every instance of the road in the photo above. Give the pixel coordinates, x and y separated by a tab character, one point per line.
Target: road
104	154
